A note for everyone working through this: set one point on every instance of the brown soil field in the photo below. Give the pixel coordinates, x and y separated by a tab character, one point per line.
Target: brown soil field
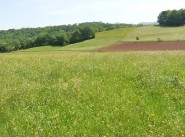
145	46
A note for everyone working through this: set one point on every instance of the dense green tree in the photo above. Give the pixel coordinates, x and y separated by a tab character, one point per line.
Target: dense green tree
44	40
182	16
172	18
62	40
26	43
87	33
163	17
76	36
2	48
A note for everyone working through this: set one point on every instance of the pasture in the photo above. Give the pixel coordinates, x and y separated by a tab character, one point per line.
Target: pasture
92	93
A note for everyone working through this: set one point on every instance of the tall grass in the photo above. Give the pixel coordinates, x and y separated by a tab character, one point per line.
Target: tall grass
92	94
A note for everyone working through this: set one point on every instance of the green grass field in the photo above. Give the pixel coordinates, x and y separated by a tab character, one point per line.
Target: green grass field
152	33
61	91
92	94
107	38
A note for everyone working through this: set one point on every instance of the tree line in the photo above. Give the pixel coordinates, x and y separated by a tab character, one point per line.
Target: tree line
12	39
172	18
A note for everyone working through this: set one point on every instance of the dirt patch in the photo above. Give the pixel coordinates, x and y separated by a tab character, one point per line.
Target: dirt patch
145	46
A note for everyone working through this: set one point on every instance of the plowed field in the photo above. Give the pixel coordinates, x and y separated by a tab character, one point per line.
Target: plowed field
146	46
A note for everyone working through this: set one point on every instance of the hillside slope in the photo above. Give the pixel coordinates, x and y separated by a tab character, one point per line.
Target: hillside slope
102	39
152	33
107	38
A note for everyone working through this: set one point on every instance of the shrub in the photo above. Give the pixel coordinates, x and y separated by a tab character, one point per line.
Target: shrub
137	38
159	40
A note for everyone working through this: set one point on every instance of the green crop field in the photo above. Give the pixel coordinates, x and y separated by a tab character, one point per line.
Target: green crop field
61	91
107	38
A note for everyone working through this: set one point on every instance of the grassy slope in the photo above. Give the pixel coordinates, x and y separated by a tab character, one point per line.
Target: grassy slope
152	33
84	93
146	33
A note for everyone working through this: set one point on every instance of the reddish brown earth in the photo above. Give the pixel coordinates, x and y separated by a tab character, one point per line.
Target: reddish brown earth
145	46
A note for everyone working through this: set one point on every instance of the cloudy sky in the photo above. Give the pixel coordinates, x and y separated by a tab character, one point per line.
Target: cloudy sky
38	13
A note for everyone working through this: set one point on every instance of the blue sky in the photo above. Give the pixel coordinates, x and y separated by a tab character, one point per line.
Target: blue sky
38	13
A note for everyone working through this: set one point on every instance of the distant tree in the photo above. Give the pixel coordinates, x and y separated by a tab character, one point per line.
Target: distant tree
44	40
3	48
182	16
6	47
87	33
15	44
40	40
163	17
26	43
172	18
76	36
62	40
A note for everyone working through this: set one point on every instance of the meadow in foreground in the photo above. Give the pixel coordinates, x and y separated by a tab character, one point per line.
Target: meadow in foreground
92	93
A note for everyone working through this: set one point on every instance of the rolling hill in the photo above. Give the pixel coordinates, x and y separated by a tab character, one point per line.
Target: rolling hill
107	38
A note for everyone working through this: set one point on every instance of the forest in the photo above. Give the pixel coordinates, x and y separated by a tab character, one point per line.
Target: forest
12	39
172	18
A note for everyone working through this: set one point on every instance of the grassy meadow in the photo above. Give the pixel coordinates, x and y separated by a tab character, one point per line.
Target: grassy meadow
152	33
61	91
92	93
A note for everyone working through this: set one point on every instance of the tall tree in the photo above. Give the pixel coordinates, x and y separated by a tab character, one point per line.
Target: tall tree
172	18
163	17
87	33
62	40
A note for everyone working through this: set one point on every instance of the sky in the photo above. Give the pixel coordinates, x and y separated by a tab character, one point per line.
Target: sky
39	13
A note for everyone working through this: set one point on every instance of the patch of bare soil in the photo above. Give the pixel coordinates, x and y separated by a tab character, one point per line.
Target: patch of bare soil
145	46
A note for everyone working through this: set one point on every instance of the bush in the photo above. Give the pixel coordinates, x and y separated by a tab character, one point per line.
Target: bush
159	40
137	38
